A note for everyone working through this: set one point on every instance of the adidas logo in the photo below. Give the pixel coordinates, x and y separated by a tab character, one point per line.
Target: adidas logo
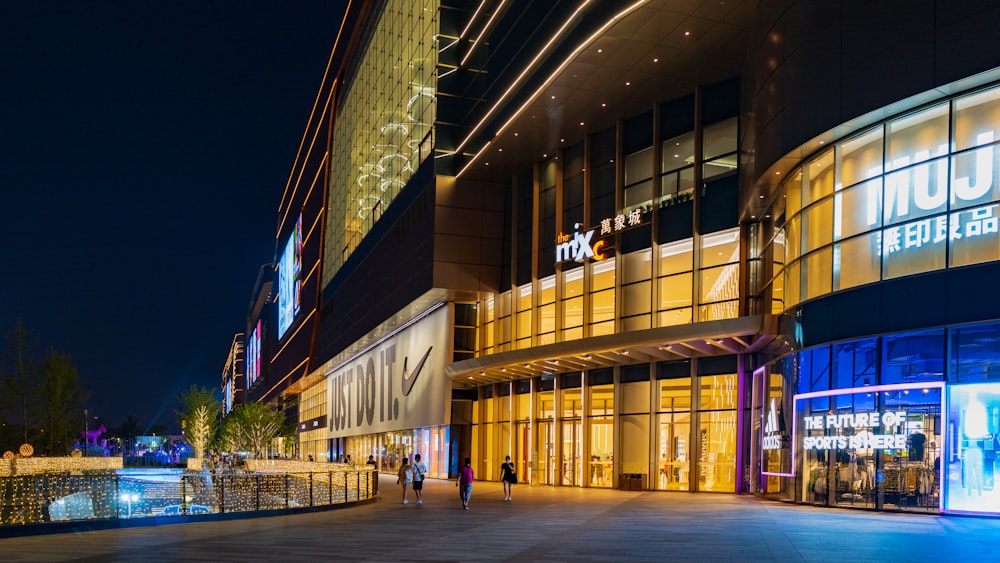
772	418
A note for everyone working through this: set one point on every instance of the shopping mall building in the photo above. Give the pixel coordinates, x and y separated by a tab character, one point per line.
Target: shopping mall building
712	246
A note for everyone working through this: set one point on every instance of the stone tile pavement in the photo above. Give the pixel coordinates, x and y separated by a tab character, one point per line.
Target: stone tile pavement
544	524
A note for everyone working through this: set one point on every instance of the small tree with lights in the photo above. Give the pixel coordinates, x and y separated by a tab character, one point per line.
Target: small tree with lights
251	427
198	417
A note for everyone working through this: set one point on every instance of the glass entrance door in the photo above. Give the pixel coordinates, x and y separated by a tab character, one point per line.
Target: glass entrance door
522	447
545	454
572	453
674	433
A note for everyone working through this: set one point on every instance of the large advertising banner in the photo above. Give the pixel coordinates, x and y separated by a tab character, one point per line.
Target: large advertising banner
290	279
396	384
972	449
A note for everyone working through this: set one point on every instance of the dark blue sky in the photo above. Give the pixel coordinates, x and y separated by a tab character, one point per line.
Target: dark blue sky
144	148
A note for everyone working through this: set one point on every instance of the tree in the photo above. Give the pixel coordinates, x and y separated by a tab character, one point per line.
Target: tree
198	417
60	400
251	427
19	373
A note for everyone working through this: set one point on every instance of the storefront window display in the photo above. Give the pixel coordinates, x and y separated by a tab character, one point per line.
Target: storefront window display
601	428
673	434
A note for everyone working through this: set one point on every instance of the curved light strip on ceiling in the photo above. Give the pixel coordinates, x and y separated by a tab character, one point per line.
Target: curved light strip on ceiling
548	81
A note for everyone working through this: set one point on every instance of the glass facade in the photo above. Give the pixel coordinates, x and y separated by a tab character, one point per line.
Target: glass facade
914	194
384	127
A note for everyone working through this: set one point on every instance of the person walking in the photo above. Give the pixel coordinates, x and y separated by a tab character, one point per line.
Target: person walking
419	469
509	477
465	477
405	476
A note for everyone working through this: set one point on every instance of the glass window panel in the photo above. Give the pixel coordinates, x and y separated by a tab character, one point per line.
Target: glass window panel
524	324
717	458
637	266
601	329
675	291
503	304
602	400
602	306
817	226
572	403
792	284
639	194
674	317
855	364
572	312
720	248
504	328
861	157
793	240
918	137
817	178
856	261
678	152
572	283
720	138
916	192
639	166
572	334
975	354
817	272
719	311
544	404
720	284
522	406
524	298
548	287
675	395
858	209
636	298
974	236
912	357
717	392
548	338
975	177
547	318
977	119
778	295
676	257
909	249
603	274
668	187
719	167
685	180
793	194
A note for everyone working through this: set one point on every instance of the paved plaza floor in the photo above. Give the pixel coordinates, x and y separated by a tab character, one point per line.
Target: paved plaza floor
540	524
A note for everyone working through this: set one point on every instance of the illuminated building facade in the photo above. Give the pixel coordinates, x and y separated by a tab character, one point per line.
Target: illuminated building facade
234	376
728	247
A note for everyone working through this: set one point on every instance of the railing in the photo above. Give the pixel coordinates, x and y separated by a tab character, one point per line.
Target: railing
55	497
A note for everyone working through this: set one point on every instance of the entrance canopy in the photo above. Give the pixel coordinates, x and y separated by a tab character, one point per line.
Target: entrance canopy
710	338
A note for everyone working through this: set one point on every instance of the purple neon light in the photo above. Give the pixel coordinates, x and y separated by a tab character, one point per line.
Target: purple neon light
852	391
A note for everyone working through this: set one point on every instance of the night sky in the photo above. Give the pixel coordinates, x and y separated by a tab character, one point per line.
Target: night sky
144	148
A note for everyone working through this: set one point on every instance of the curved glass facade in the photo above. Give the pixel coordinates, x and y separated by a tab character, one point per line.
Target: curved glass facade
913	194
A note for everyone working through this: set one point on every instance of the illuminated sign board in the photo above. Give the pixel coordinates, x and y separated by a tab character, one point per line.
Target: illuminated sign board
968	461
581	245
253	355
773	428
885	429
289	279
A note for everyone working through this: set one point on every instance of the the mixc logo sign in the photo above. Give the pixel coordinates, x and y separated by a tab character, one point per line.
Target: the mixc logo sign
581	246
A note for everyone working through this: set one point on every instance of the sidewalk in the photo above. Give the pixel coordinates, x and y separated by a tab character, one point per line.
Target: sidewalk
540	524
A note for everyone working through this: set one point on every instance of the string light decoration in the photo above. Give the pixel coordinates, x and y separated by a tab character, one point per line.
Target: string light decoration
34	490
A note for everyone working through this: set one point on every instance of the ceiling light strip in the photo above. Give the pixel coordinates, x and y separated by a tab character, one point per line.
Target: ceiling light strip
482	33
475	15
548	81
521	76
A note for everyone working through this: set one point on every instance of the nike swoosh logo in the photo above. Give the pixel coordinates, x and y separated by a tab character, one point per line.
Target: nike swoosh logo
409	378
